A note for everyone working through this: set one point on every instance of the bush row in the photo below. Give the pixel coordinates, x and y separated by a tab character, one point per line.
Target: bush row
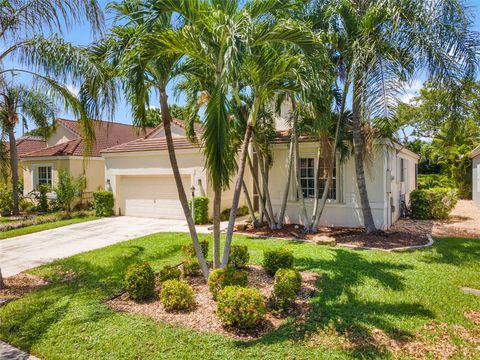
434	203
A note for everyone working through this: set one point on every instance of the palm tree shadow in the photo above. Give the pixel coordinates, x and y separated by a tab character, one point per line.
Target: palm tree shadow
338	308
456	251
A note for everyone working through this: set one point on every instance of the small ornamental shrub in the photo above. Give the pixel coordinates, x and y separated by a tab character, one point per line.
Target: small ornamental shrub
220	278
176	295
434	203
241	211
169	273
277	259
239	256
201	209
140	281
103	203
241	307
191	267
42	197
6	200
189	250
286	287
66	189
429	181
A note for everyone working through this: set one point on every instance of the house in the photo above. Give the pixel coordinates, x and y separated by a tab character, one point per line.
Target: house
26	144
66	149
475	156
140	176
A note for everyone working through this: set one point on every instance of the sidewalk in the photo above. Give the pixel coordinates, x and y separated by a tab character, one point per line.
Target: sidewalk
8	352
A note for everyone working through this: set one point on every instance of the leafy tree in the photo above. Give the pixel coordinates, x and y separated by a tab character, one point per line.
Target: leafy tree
154	115
65	190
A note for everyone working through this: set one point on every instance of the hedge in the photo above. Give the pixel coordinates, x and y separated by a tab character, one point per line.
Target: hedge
241	211
429	181
434	203
201	209
103	203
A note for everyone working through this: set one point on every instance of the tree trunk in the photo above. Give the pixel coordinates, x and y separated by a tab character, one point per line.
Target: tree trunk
266	194
261	199
303	208
14	168
217	203
166	119
287	183
2	283
236	194
251	210
359	151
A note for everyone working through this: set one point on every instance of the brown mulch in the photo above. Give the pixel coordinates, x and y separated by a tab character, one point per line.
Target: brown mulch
350	236
19	285
203	317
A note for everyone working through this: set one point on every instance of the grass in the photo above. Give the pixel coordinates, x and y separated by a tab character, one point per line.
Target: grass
45	226
360	291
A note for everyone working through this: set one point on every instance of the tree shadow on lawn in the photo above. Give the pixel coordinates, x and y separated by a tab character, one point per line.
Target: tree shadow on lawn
25	322
336	308
455	251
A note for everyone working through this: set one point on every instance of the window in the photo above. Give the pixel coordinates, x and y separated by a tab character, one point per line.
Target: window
402	170
416	176
45	175
307	179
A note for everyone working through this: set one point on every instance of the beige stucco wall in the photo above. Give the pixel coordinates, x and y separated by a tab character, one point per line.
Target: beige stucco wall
476	180
60	136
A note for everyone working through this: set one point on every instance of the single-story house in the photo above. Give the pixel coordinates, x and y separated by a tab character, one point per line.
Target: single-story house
66	149
475	156
140	176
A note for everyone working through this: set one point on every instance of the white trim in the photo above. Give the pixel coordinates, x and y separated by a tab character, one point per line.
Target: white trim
35	168
475	152
67	157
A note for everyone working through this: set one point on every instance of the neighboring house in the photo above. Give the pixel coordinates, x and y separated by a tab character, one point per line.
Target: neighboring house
475	156
141	178
65	149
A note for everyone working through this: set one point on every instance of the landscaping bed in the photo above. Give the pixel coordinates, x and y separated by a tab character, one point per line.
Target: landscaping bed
355	237
18	285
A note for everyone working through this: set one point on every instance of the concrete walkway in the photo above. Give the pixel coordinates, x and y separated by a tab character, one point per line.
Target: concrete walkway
27	251
8	352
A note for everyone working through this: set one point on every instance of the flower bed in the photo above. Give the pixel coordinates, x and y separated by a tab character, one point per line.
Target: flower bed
41	219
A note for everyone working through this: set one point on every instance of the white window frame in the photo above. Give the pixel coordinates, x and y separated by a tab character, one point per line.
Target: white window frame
314	178
36	175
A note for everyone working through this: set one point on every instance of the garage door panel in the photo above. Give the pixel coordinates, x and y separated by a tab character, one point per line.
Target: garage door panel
152	196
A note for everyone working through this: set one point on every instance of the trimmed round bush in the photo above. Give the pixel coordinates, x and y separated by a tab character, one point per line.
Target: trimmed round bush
189	250
191	267
239	256
140	281
434	203
103	203
286	287
176	295
277	259
169	273
201	209
220	278
240	306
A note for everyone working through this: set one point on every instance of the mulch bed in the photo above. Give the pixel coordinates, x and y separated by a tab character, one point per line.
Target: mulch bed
19	285
203	316
349	236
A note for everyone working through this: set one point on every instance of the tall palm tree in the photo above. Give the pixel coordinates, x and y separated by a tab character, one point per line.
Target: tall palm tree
20	105
385	44
144	67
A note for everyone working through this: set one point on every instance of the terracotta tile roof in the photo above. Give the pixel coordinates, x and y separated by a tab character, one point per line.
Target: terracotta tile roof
197	126
28	144
151	144
107	134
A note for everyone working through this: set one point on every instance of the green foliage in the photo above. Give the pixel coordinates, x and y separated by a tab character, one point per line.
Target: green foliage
201	209
176	295
42	197
434	203
169	273
103	203
153	116
220	278
286	287
241	211
189	250
65	190
241	307
191	267
277	259
239	256
6	199
140	281
428	181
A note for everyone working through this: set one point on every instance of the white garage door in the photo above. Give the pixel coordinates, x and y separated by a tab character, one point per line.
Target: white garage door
154	196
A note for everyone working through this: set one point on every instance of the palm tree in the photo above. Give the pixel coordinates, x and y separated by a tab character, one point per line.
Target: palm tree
144	67
385	43
19	104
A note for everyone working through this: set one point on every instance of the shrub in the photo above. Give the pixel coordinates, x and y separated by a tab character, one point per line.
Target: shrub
169	273
176	295
65	190
103	203
42	197
239	256
428	181
241	307
286	287
140	281
435	203
6	199
220	278
277	259
241	211
189	250
191	267
201	209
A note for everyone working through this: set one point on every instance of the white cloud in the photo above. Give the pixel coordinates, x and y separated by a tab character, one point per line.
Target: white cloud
411	90
73	89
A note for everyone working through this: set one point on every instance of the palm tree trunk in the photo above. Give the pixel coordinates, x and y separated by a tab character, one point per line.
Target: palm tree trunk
249	204
261	198
287	183
2	283
236	194
14	168
167	119
359	151
217	202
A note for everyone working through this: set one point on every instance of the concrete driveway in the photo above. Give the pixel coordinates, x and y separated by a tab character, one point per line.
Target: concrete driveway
24	252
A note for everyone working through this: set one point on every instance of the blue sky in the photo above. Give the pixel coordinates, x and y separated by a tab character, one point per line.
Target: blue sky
81	35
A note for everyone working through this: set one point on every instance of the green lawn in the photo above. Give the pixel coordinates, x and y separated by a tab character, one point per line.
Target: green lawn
40	227
360	291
